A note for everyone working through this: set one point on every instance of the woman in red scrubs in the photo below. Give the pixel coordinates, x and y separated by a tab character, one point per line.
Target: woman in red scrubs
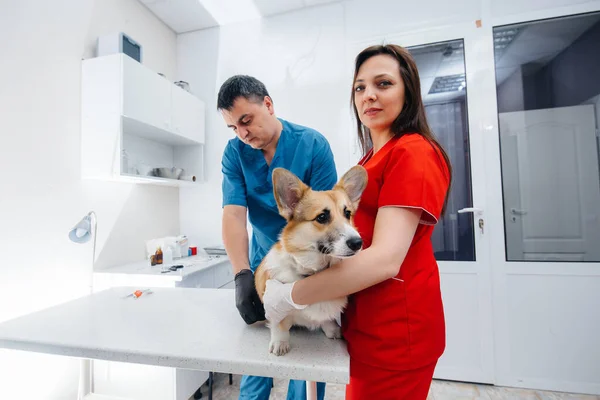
394	322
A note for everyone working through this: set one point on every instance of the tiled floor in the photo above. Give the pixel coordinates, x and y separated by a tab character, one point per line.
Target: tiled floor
440	390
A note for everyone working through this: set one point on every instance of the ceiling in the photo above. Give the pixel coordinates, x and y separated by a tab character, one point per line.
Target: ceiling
540	42
444	62
190	15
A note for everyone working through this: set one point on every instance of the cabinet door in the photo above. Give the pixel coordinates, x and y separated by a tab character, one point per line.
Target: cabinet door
188	115
146	95
200	279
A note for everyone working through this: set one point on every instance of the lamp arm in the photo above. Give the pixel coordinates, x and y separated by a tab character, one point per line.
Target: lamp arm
95	222
86	368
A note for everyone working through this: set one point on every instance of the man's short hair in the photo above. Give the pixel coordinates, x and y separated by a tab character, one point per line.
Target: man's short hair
240	85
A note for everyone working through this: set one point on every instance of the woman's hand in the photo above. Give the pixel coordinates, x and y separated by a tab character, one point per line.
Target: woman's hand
278	301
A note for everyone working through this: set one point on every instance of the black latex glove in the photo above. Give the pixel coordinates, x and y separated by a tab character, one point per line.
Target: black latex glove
246	298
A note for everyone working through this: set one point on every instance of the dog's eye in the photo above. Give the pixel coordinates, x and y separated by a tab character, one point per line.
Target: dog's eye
347	213
323	218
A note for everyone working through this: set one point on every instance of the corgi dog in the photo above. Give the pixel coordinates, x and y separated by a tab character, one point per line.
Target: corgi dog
319	232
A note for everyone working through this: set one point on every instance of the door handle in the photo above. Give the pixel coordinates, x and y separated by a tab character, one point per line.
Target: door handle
474	210
515	211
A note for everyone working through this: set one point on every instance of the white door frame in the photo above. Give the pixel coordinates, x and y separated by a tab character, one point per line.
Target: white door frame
507	374
479	269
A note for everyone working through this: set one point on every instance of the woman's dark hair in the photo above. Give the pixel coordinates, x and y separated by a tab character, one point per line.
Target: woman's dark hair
412	118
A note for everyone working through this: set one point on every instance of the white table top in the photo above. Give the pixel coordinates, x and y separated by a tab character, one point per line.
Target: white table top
190	265
176	327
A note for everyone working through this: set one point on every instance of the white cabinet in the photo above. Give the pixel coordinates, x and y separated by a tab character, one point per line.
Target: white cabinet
147	382
134	120
188	114
146	95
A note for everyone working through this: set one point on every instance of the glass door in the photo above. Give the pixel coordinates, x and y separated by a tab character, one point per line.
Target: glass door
458	238
544	174
450	94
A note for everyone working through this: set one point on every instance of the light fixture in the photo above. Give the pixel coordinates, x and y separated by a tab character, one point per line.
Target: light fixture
503	37
448	83
82	233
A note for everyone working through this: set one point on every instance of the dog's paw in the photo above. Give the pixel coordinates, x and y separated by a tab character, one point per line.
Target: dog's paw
332	331
279	347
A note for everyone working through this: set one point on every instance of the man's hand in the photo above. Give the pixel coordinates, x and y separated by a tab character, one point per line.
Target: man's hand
235	239
246	298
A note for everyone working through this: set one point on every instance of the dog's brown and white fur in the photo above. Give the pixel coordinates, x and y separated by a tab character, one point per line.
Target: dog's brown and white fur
319	232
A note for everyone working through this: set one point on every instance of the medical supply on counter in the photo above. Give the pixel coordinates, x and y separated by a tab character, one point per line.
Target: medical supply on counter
159	256
191	178
168	255
178	244
138	293
172	268
218	250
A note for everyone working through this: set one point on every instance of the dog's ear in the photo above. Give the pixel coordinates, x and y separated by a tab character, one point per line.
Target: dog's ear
288	191
354	183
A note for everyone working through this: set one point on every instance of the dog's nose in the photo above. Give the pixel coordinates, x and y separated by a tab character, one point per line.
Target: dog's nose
354	243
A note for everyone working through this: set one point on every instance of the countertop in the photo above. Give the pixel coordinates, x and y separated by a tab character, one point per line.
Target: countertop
175	327
190	264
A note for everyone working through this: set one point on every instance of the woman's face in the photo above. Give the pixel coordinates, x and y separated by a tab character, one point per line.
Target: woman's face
379	92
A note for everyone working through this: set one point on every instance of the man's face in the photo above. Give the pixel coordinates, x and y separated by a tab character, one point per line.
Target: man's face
252	122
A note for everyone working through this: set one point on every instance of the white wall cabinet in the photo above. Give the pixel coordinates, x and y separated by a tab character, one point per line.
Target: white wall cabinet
187	114
134	120
146	95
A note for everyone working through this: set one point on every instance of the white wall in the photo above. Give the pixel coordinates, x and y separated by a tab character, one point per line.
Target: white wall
302	66
42	195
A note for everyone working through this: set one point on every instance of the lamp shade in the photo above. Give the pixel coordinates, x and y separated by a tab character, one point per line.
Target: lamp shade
82	232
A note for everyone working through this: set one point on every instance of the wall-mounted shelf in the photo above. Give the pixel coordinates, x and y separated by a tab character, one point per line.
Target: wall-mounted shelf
134	120
156	180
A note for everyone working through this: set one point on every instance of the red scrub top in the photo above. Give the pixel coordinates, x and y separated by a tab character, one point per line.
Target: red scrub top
398	324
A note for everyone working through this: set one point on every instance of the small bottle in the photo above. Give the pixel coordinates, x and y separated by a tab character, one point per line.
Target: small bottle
168	255
159	256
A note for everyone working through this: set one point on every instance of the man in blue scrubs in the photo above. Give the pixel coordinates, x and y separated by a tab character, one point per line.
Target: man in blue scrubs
263	142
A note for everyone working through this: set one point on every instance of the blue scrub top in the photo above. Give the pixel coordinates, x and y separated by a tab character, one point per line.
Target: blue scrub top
247	179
